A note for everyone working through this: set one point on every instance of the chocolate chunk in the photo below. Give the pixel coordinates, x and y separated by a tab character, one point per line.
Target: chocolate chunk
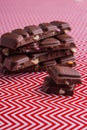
48	27
64	75
33	30
21	32
65	38
49	86
67	61
11	40
16	62
61	25
50	44
67	41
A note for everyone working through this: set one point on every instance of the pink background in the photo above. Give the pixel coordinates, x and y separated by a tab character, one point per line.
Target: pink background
23	105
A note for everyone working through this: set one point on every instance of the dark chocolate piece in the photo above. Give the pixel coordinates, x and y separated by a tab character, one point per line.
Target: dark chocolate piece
21	32
67	41
65	38
61	25
45	56
67	61
47	27
17	62
33	30
49	86
50	44
64	75
12	40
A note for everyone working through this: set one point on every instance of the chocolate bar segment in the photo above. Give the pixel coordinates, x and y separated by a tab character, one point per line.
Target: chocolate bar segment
64	75
65	38
50	44
47	27
49	86
45	56
21	32
17	62
33	30
11	40
61	25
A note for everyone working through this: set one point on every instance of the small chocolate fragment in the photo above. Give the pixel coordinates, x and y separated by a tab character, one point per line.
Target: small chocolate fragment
64	75
49	86
61	25
21	32
17	62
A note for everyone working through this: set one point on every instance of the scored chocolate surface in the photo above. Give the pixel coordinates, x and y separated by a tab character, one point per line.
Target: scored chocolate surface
64	75
33	30
61	25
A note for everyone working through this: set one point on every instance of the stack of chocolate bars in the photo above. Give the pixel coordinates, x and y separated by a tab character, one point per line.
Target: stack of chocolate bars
46	47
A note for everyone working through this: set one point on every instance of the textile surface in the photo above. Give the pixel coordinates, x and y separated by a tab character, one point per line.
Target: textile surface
22	105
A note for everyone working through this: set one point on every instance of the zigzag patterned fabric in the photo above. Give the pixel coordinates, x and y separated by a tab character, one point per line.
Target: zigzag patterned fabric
22	103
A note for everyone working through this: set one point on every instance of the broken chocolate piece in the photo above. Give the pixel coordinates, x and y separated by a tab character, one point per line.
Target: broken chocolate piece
17	62
64	75
49	86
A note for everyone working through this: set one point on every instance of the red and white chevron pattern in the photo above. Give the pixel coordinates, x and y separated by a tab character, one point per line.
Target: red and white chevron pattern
22	105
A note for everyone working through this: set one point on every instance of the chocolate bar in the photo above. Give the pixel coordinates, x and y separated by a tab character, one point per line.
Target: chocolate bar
31	48
62	25
49	44
64	75
45	56
49	86
17	62
30	34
